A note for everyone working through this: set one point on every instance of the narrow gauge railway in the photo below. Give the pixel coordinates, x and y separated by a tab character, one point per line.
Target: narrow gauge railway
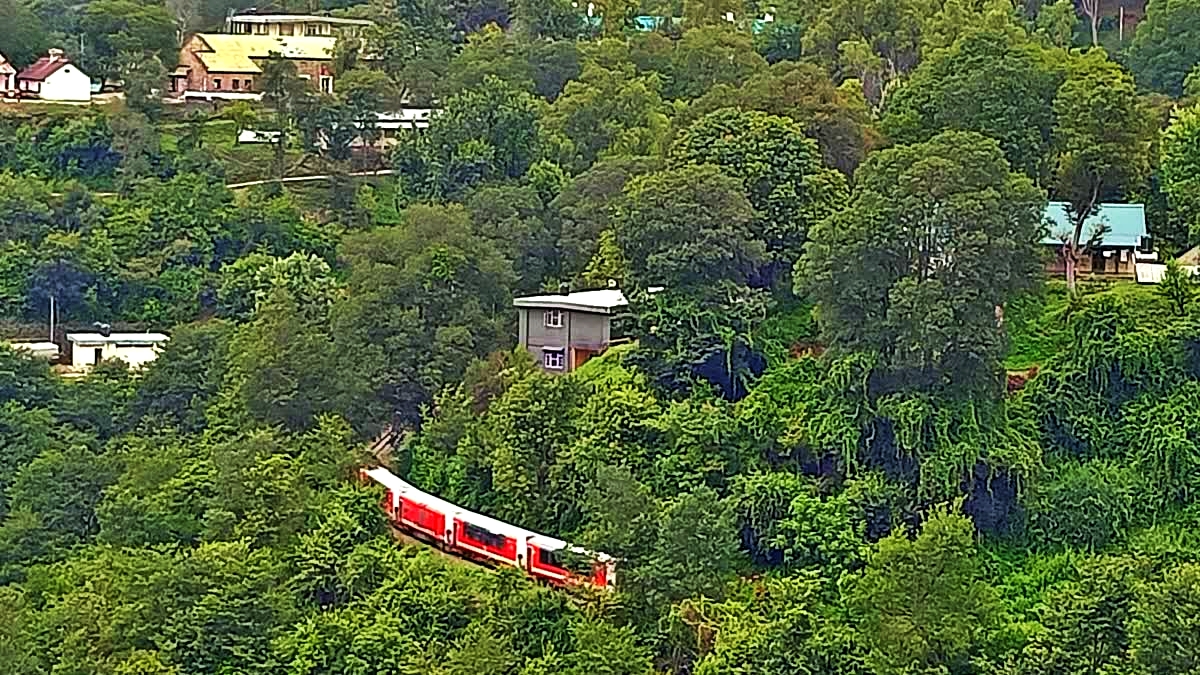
476	537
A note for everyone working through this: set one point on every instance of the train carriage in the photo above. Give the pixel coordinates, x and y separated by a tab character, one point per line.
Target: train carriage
558	562
479	537
490	539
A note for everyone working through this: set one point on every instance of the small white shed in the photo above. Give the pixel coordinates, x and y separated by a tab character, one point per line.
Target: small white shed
135	349
40	350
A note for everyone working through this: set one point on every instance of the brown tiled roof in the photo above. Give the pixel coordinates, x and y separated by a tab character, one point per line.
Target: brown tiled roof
42	68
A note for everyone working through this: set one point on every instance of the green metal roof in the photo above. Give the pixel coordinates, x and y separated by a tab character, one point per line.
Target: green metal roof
1126	222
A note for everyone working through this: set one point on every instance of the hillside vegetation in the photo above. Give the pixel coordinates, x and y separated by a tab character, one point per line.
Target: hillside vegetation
857	429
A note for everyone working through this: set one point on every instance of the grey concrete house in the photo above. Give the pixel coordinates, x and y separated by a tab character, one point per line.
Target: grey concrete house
564	330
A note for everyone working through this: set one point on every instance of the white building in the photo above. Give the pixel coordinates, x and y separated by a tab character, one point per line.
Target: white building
54	78
135	349
8	76
40	350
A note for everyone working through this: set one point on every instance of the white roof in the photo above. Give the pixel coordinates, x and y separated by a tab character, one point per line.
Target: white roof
493	525
116	338
35	346
602	301
297	18
407	115
389	480
252	136
547	543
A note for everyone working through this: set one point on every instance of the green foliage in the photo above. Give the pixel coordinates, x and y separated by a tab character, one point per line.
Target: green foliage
482	134
780	170
1163	50
1099	137
938	236
1179	159
924	602
24	36
687	228
116	27
1178	287
991	83
775	497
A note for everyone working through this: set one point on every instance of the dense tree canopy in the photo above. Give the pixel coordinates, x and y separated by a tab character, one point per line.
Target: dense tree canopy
939	235
799	449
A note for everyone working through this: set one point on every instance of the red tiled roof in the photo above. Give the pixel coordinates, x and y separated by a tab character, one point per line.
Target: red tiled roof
42	68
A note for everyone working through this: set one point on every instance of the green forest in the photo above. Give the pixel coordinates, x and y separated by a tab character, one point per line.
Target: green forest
860	429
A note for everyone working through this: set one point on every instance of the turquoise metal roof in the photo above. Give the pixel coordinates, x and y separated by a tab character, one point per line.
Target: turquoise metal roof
1126	222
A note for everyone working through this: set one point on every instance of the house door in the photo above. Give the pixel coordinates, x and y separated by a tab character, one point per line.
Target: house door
326	84
99	356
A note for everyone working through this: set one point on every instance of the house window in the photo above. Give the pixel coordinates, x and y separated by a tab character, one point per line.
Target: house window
216	83
286	29
553	318
326	84
553	359
246	85
236	84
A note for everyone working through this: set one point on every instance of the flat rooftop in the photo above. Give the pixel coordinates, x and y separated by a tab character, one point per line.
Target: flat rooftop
116	338
297	18
603	301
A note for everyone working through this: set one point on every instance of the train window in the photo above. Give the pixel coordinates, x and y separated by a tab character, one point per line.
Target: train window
566	559
484	536
550	558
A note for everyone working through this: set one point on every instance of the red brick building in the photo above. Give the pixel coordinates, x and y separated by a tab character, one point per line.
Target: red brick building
222	66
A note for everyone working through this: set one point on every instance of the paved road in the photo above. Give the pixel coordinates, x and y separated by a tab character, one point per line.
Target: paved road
265	181
303	179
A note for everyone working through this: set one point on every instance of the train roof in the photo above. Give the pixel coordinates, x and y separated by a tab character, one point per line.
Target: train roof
493	525
551	544
389	480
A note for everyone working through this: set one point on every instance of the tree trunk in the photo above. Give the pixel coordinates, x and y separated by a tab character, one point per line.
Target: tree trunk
1091	8
1071	255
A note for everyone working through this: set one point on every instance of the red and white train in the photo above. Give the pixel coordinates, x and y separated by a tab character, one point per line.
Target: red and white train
477	537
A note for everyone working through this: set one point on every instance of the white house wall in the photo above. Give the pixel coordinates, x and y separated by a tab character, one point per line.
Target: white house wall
67	84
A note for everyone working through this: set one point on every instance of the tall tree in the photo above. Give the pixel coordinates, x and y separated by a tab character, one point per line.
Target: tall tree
925	604
990	82
23	35
115	27
284	92
1179	167
482	134
1100	143
780	169
688	228
937	237
1166	46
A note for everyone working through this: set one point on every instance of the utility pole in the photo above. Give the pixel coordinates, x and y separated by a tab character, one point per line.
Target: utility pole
52	317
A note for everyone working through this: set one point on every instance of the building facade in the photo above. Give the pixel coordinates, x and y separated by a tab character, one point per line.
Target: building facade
8	76
1124	241
135	349
220	66
287	25
563	331
54	78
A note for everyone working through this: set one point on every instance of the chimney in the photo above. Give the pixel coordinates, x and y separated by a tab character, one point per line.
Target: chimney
104	329
55	53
